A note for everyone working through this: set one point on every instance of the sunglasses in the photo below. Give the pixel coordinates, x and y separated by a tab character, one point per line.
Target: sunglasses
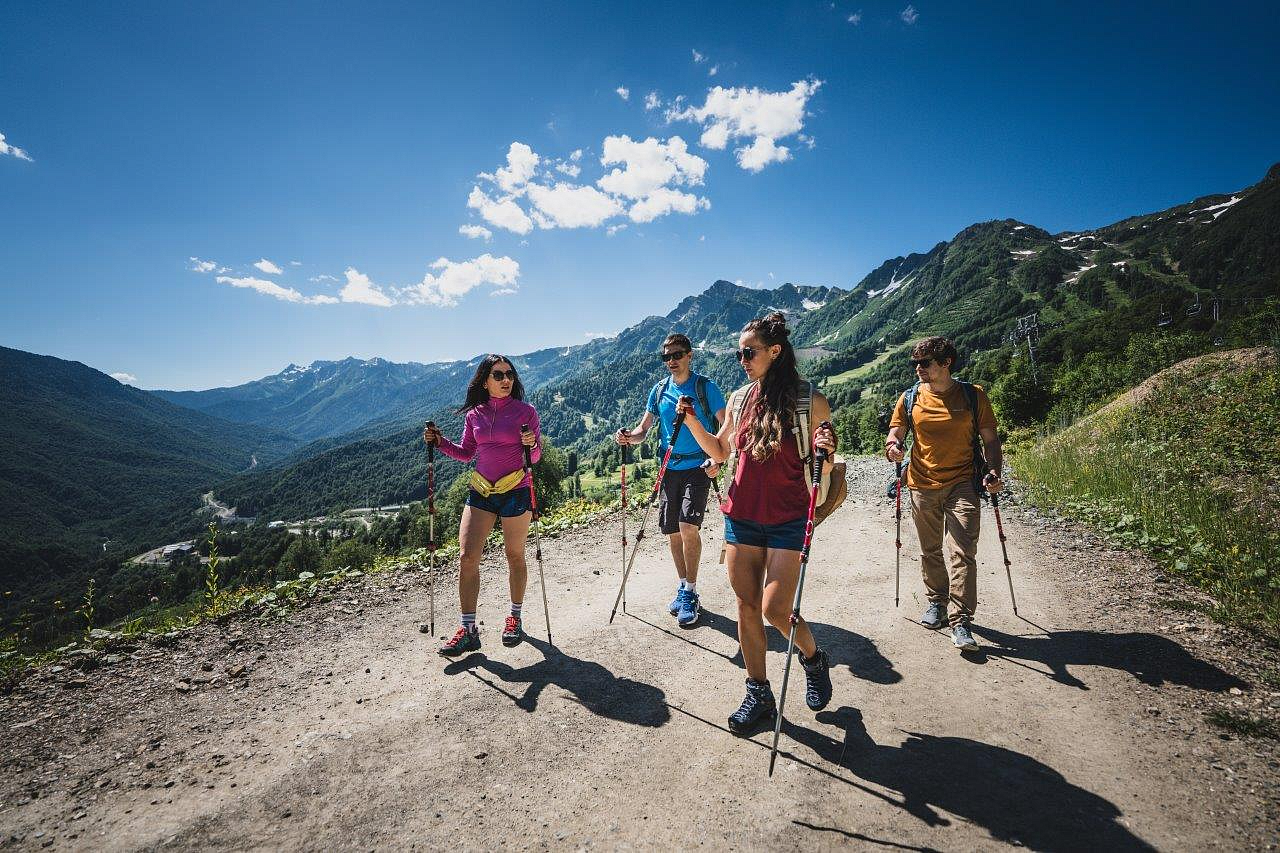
674	356
920	362
745	354
503	375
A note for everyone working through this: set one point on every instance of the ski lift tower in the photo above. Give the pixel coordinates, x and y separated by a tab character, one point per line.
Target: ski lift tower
1029	330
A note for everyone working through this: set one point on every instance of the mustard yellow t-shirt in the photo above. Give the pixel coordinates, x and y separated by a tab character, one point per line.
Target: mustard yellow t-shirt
942	454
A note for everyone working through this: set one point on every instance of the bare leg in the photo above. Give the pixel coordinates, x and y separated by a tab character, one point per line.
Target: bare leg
515	532
475	527
746	575
781	576
677	553
691	544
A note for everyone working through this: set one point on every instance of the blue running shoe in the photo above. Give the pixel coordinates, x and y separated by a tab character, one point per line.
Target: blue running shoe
674	607
962	639
690	608
934	615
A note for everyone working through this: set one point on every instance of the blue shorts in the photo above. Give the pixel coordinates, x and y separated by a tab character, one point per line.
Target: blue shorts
506	505
788	536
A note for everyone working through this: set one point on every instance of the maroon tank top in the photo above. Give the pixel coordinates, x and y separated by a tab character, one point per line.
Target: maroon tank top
771	492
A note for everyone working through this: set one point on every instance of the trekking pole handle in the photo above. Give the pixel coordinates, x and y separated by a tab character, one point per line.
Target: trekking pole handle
528	456
823	454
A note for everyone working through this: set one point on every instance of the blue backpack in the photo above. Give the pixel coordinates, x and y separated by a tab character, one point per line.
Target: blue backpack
708	417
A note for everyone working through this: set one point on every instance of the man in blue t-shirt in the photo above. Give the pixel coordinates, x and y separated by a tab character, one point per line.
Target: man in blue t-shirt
684	487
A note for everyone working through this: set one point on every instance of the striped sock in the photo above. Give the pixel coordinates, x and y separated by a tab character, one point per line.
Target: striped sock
516	607
469	621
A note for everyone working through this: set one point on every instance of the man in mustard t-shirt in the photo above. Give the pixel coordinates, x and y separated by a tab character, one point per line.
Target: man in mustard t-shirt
942	479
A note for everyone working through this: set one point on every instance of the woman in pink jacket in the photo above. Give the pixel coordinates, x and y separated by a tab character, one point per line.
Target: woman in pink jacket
491	435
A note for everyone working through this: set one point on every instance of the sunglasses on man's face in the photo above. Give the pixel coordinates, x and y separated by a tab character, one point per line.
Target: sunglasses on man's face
920	362
503	375
675	355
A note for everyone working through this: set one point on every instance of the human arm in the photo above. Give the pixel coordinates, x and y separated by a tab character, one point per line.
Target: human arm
717	446
635	436
531	436
823	437
995	459
895	449
465	450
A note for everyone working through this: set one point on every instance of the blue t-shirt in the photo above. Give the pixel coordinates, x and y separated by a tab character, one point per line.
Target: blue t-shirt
665	411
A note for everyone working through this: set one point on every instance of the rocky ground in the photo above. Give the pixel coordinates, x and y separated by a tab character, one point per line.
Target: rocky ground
1083	724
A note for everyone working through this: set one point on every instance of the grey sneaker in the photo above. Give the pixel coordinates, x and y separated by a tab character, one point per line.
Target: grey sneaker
935	615
962	639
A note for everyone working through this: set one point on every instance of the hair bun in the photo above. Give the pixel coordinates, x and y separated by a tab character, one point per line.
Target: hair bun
777	323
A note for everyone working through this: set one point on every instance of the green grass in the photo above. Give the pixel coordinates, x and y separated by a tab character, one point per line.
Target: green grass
1243	724
1191	475
862	369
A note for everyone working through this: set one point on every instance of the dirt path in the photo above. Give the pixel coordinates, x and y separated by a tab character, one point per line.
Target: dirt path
1074	730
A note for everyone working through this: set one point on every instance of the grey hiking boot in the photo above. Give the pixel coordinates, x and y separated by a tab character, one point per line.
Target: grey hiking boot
758	710
934	615
962	639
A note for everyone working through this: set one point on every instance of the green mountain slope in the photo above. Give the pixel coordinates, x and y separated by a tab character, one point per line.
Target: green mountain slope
87	459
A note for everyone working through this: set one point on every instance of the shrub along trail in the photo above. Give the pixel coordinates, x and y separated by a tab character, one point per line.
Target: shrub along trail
1081	726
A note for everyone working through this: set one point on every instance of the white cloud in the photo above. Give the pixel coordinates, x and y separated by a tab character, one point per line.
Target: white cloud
713	70
124	378
295	263
503	212
360	289
592	336
702	238
522	163
909	15
770	275
652	101
648	165
614	229
856	18
665	200
322	300
570	206
698	58
267	267
623	92
13	150
761	153
456	278
475	232
198	265
323	277
270	288
503	291
573	170
750	113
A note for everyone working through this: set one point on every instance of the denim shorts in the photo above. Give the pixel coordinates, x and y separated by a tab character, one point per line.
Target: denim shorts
506	505
788	536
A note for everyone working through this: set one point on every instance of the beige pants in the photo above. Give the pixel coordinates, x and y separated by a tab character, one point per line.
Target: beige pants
953	514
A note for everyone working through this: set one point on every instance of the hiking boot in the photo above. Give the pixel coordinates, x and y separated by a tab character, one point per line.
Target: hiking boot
934	615
817	680
674	607
962	639
757	712
690	608
512	632
461	641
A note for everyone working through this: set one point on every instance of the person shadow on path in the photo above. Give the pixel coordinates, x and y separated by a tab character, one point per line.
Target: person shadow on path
592	685
1016	798
844	647
1152	659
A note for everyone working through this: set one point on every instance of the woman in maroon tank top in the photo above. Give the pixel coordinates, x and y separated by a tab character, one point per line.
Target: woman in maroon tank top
766	511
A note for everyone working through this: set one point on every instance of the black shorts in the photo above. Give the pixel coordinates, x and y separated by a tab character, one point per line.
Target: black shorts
683	499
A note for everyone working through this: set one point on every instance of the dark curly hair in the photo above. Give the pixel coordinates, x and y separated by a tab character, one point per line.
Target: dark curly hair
938	348
477	394
771	417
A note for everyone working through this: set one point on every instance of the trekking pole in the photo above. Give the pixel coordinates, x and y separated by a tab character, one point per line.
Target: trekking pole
537	536
431	527
1008	573
897	536
653	497
625	448
814	483
715	484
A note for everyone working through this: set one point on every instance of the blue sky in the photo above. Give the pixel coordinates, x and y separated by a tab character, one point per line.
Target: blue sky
350	138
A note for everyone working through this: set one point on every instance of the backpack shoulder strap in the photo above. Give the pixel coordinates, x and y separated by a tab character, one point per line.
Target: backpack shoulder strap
971	397
659	390
909	403
712	424
804	402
